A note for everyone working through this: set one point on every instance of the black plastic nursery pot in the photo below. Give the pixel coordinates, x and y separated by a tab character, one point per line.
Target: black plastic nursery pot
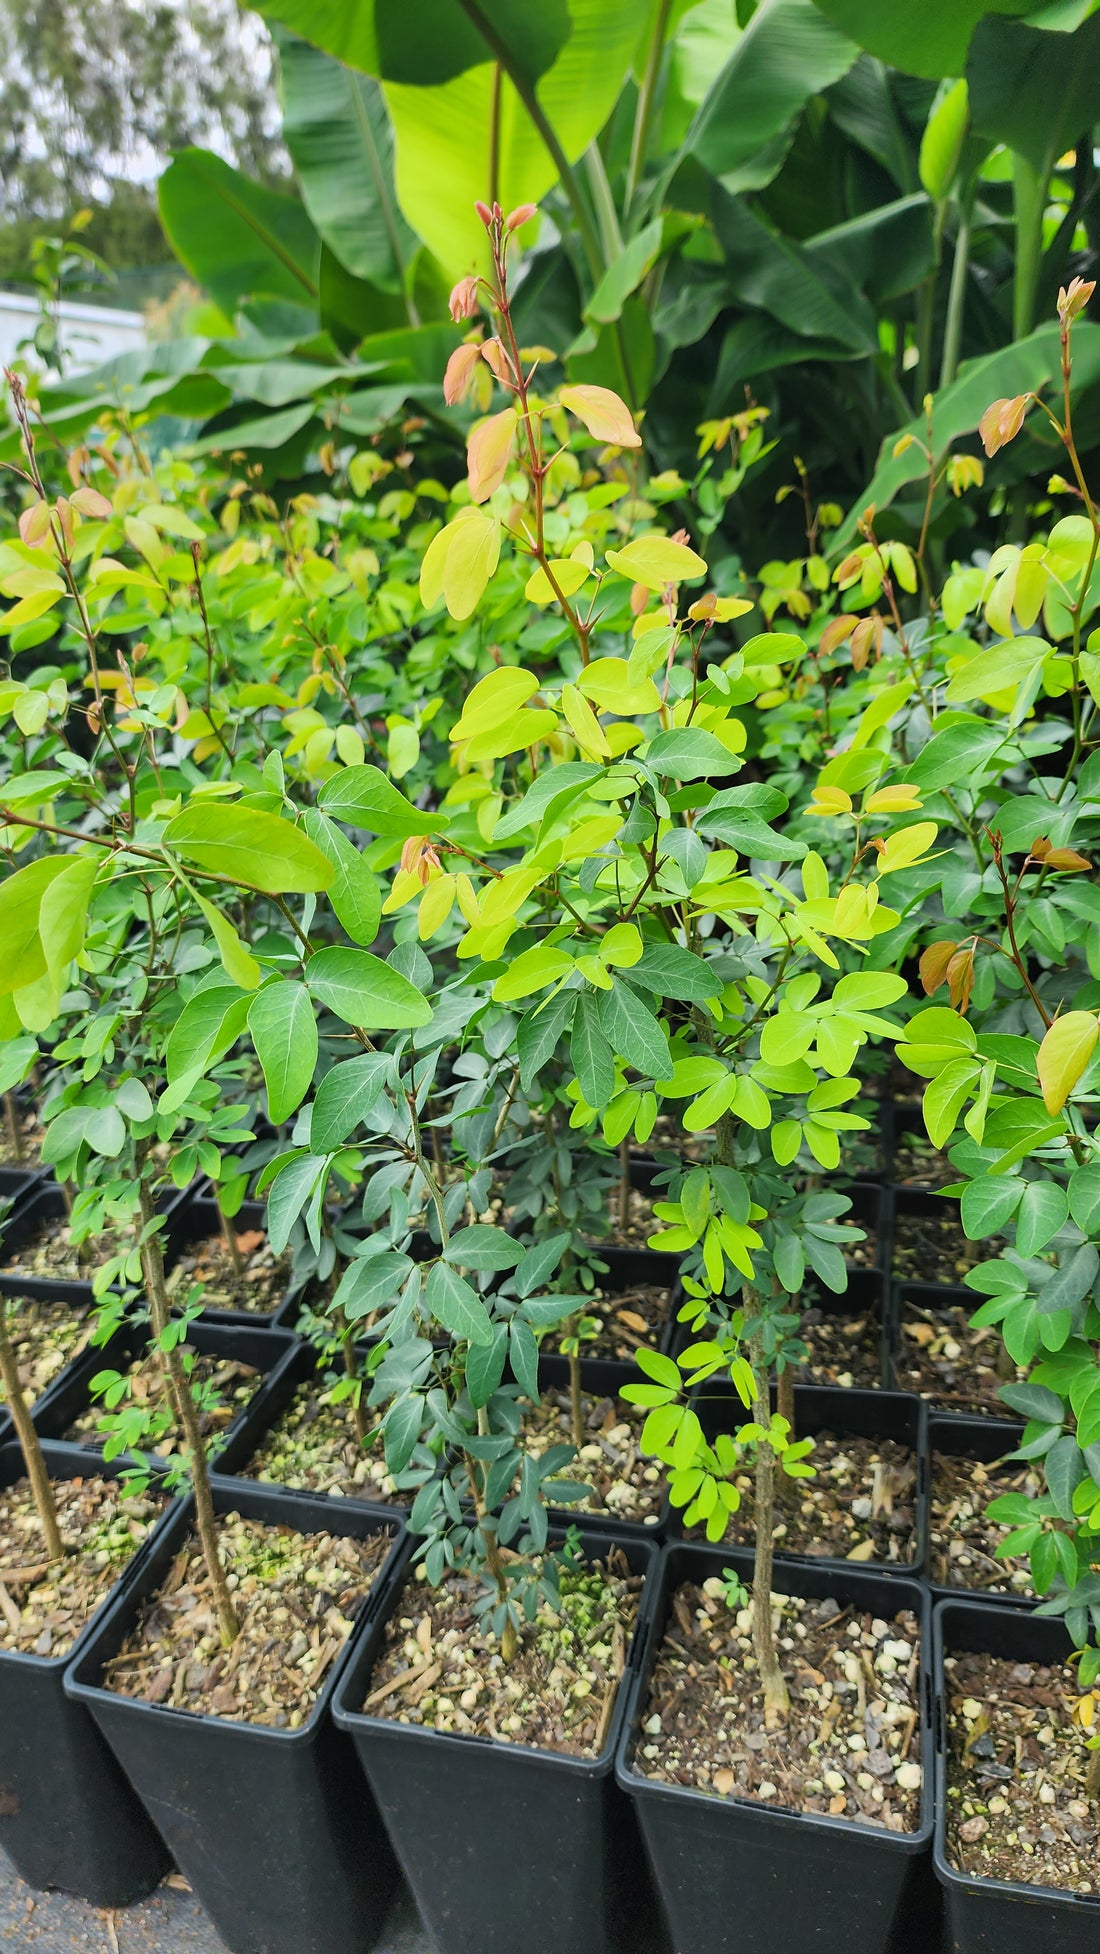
269	1352
627	1268
935	1300
870	1210
915	1204
601	1377
302	1363
504	1846
990	1916
274	1829
198	1219
741	1877
849	1414
68	1817
864	1298
81	1304
902	1117
44	1203
986	1440
17	1182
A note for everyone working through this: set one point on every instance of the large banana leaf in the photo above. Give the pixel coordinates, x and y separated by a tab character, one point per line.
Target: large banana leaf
486	99
338	132
1032	89
237	238
925	37
813	297
448	139
426	42
788	52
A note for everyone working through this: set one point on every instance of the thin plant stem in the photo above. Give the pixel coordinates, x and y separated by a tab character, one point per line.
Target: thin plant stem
41	1490
178	1388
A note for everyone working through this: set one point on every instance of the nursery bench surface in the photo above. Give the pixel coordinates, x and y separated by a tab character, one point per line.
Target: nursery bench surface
170	1921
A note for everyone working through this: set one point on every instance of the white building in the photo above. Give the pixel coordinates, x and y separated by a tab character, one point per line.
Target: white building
89	333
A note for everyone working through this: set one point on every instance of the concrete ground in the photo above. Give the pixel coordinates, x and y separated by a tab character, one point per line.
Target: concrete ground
171	1921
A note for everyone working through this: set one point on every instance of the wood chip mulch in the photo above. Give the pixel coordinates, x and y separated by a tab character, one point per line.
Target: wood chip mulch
440	1666
44	1607
845	1344
955	1367
962	1542
296	1596
630	1320
259	1289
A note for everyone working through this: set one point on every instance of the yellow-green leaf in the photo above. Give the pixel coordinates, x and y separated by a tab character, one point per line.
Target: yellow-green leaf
494	698
239	964
568	572
1064	1054
656	561
603	414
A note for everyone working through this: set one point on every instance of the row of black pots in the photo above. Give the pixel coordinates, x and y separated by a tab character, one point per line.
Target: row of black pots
875	1415
284	1363
279	1833
191	1216
888	1306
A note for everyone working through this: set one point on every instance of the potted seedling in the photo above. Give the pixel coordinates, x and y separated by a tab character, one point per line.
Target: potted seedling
66	1536
606	925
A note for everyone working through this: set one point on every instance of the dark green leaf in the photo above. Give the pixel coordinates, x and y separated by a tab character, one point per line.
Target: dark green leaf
284	1032
482	1247
457	1306
353	891
633	1032
344	1098
591	1055
237	237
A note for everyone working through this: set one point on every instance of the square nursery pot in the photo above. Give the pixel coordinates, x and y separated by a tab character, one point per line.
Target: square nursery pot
987	1440
850	1414
863	1301
628	1268
991	1916
870	1210
951	1305
17	1182
198	1219
269	1352
302	1363
274	1829
912	1204
506	1846
602	1378
902	1118
740	1877
81	1303
43	1204
68	1817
